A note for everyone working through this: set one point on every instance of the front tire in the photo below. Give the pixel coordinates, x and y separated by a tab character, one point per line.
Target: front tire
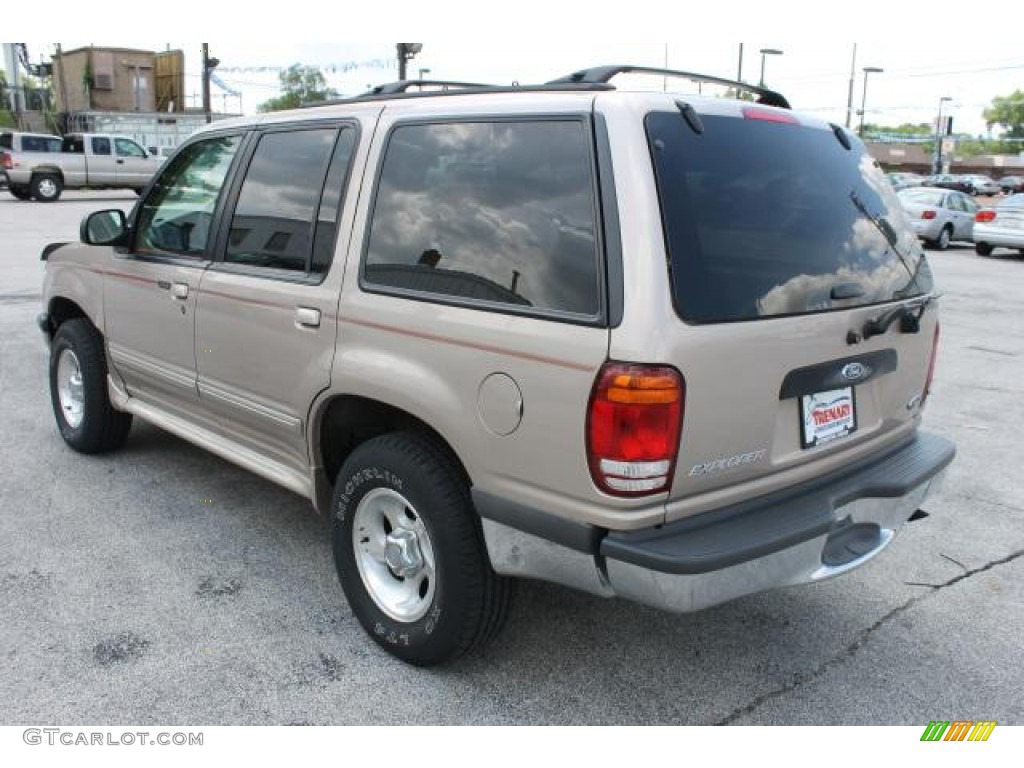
409	551
78	390
46	187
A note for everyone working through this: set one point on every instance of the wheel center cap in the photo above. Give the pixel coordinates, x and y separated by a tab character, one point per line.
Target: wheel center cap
402	553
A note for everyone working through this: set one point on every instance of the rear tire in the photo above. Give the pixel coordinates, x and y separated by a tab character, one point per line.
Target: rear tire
78	390
409	551
983	249
944	238
46	187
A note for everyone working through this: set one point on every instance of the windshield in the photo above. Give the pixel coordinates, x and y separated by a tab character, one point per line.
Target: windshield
767	219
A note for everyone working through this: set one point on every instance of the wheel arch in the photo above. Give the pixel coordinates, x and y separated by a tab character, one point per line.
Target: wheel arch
343	422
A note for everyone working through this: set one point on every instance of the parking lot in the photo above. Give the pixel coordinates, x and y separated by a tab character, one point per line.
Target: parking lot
163	585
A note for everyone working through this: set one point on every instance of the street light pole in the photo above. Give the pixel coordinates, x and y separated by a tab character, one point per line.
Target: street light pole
938	137
864	97
767	52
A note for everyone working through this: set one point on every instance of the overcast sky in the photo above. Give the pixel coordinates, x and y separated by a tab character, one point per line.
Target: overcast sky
813	75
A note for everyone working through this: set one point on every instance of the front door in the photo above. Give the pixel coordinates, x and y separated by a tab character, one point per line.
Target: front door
135	166
266	322
150	288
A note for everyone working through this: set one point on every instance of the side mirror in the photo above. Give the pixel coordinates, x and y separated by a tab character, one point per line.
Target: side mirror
104	228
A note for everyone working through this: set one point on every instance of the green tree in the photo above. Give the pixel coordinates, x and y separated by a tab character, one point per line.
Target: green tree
1008	113
299	85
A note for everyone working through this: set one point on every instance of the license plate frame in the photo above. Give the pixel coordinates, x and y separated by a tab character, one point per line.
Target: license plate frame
827	416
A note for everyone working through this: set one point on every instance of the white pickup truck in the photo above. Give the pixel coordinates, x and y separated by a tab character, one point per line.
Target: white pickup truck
84	160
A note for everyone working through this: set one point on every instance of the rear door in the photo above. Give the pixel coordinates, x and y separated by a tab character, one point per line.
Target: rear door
102	165
784	243
267	318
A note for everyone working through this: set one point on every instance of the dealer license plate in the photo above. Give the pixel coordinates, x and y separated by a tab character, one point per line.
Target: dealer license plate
827	416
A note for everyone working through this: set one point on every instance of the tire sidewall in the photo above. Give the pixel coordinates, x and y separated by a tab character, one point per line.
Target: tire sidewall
75	338
35	185
422	641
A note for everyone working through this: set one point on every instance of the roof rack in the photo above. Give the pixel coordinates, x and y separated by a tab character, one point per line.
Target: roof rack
401	86
398	90
605	73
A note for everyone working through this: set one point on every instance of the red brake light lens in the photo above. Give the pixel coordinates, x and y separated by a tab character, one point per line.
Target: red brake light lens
633	427
985	215
5	161
928	214
771	115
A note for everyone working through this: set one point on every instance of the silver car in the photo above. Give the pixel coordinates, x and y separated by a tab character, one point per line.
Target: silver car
939	216
1001	226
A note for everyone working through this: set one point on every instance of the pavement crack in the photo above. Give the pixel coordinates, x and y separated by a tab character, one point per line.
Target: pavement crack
954	561
858	642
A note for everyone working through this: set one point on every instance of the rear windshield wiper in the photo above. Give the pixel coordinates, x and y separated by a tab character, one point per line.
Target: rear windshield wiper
909	313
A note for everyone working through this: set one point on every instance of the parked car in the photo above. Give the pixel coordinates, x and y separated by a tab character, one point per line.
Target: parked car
1010	184
650	345
981	184
78	161
1001	226
15	142
939	216
950	181
903	180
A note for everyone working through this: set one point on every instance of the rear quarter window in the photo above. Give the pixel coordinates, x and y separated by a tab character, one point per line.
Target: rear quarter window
495	213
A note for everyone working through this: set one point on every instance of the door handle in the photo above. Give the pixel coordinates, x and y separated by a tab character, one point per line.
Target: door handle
307	317
120	162
179	290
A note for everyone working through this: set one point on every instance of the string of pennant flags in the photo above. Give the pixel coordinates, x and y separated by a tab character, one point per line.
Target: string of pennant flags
347	66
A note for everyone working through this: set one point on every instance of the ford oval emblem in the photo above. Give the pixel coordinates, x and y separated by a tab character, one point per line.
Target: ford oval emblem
855	371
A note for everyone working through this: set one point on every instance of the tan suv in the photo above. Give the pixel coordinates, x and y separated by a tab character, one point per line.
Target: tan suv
665	347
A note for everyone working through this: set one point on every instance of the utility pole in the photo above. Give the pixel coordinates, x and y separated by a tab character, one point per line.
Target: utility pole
208	65
405	52
849	96
739	69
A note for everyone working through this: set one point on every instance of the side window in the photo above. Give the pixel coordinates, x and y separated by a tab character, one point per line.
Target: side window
956	202
498	212
53	145
100	145
287	210
127	148
175	217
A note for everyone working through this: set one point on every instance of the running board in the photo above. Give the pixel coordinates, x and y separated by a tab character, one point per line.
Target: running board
226	448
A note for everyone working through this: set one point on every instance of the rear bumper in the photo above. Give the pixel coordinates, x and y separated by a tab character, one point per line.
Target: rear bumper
802	535
999	236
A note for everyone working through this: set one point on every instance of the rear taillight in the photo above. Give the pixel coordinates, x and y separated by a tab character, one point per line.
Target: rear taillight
985	216
5	161
928	215
931	366
633	426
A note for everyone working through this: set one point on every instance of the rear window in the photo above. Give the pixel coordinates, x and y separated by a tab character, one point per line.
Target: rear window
767	219
40	144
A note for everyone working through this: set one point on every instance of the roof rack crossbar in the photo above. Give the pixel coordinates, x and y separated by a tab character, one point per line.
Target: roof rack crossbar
605	73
